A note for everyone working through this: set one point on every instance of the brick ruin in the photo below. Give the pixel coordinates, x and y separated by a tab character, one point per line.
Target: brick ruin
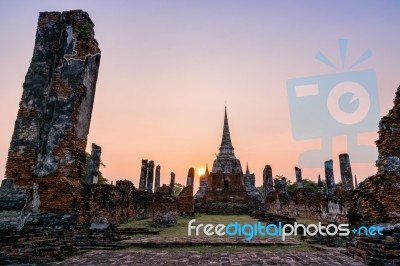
299	177
143	176
226	189
47	149
165	208
49	140
378	199
345	172
47	196
329	178
172	183
185	198
92	171
157	178
330	205
150	176
380	194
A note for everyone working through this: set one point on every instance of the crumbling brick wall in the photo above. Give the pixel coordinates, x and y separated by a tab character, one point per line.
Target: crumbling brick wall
119	203
50	134
186	201
165	208
307	203
380	195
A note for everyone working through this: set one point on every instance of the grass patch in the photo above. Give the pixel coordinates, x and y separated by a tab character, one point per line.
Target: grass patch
301	220
181	229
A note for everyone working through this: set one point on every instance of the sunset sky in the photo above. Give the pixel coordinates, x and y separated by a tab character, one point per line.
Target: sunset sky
168	68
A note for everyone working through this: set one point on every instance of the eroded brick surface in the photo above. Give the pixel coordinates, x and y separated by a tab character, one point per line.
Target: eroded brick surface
126	257
49	140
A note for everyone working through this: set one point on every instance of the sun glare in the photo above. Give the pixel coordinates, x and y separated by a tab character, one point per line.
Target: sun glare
201	171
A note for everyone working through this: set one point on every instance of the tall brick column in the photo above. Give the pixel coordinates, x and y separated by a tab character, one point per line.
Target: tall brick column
50	135
330	180
345	172
299	178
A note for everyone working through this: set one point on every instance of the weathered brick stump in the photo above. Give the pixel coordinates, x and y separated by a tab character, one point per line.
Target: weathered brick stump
186	202
185	198
114	204
47	149
165	208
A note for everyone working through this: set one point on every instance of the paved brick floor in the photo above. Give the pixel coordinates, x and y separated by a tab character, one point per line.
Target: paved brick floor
190	241
130	257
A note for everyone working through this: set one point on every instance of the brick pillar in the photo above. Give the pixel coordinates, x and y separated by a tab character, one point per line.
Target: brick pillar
345	172
268	183
143	176
157	179
92	171
329	178
150	176
172	183
190	177
299	178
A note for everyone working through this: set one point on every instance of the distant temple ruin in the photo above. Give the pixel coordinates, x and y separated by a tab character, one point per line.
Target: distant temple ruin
226	189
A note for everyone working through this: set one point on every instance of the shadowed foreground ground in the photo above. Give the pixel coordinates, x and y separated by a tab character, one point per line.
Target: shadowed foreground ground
129	257
173	247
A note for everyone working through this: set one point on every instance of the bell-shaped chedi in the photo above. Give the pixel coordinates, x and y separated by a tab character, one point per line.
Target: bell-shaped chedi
50	135
224	190
226	161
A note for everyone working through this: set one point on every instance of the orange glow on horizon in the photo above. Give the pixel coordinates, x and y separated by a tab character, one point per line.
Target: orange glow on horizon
201	171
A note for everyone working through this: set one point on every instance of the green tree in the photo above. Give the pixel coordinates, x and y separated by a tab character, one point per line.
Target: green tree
177	189
307	183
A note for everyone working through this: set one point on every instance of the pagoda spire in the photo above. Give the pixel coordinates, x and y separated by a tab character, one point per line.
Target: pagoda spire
226	143
207	173
247	169
319	184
